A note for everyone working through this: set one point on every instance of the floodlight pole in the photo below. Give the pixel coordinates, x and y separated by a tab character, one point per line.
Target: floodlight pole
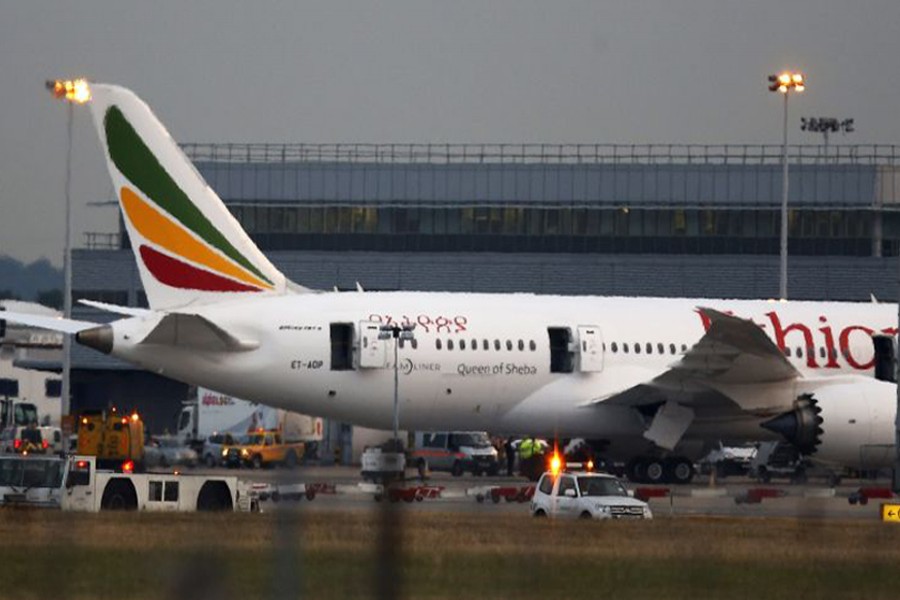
782	288
65	400
895	479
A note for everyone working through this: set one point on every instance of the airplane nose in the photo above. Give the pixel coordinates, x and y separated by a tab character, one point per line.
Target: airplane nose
99	338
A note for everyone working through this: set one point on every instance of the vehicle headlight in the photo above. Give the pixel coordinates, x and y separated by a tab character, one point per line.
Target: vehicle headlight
244	452
224	451
602	509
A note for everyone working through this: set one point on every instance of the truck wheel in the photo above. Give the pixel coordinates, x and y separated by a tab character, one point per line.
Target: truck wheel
290	461
119	495
210	460
763	475
457	469
256	462
422	468
585	515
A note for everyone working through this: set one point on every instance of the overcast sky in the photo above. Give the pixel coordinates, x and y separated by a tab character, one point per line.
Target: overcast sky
414	71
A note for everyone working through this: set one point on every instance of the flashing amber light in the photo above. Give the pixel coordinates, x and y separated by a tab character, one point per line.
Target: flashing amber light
128	466
590	465
555	464
135	417
124	420
71	90
84	420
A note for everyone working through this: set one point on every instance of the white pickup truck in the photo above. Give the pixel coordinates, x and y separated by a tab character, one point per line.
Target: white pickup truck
75	483
586	495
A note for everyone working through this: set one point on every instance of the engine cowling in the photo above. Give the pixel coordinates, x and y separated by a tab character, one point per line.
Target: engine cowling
844	424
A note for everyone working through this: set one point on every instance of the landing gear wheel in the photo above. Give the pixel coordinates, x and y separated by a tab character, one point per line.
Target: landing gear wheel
655	471
636	470
680	470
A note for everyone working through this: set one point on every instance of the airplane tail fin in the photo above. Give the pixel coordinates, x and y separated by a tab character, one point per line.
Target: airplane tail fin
188	246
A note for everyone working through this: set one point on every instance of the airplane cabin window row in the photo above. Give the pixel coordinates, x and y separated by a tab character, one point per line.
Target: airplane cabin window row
486	345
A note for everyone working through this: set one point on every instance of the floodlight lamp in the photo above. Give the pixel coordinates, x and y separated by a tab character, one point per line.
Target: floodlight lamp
784	79
70	90
797	78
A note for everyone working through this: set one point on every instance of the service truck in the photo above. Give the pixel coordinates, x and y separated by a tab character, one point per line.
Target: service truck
75	483
208	412
263	449
115	439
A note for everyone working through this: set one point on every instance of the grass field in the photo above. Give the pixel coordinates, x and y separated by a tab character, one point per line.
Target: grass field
341	555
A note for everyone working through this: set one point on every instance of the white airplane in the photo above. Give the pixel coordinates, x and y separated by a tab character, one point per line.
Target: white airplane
653	381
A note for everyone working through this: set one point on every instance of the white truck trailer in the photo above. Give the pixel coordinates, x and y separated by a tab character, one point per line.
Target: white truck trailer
211	412
75	483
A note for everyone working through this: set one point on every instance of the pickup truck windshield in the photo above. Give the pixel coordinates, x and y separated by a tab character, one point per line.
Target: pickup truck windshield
256	439
601	486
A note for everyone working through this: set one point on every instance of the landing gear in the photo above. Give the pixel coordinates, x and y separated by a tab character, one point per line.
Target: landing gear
649	469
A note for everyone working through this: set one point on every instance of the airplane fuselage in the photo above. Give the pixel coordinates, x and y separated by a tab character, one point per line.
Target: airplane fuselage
500	363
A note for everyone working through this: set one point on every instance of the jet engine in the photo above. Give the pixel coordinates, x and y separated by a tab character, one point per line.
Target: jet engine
843	424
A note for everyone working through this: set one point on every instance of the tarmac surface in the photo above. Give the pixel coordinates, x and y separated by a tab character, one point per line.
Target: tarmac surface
339	489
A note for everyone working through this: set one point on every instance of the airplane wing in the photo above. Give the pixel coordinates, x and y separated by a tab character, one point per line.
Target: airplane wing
115	308
194	331
734	352
47	322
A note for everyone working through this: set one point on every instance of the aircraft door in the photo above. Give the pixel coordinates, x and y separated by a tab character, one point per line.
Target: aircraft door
590	346
372	351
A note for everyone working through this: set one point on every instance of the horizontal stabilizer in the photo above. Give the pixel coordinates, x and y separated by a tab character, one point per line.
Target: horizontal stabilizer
46	322
115	308
194	331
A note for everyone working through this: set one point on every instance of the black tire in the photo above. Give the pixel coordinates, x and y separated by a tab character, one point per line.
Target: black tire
679	471
655	471
119	495
256	461
290	461
585	515
799	477
422	468
214	496
457	469
636	470
210	460
493	470
763	475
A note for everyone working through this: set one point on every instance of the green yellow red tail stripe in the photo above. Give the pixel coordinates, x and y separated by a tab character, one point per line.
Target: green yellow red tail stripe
137	163
162	231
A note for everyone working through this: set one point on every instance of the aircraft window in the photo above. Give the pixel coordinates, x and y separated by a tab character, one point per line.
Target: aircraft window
684	347
532	346
799	352
821	351
437	343
625	348
637	348
521	345
449	344
415	344
509	344
615	347
496	344
671	348
660	348
402	342
486	345
787	351
810	350
474	345
649	348
462	344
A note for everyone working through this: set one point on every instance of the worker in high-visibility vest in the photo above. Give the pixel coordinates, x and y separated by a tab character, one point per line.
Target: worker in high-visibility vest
527	448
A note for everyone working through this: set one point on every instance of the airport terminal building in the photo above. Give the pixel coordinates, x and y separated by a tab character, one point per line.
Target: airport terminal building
654	220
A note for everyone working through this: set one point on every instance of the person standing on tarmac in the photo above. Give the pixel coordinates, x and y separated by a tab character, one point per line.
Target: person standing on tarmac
510	451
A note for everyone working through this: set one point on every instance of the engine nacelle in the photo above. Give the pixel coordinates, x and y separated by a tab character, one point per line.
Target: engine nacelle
844	424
